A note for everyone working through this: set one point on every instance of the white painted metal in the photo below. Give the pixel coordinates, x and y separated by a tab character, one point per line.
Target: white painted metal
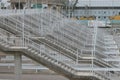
52	27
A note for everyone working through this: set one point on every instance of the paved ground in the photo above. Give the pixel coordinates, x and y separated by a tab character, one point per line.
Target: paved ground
34	77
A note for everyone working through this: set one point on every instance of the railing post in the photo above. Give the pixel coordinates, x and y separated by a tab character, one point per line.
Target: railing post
23	26
77	57
94	42
40	50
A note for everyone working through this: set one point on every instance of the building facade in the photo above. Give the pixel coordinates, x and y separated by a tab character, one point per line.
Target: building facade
99	13
99	9
21	3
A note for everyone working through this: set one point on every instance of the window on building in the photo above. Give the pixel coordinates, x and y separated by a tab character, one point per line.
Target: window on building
81	12
94	17
95	12
104	12
99	12
113	12
108	12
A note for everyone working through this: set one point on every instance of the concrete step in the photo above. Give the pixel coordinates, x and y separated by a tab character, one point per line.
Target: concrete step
36	53
110	42
111	48
5	45
46	58
112	52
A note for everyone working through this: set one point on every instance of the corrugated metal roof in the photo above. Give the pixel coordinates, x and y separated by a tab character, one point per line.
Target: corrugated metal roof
99	3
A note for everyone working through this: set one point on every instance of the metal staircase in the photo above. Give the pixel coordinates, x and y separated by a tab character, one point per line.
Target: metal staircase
31	30
35	52
19	28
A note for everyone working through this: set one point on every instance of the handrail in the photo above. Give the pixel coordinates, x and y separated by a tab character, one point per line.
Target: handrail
35	46
27	41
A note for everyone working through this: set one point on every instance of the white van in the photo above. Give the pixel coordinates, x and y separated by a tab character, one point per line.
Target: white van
92	23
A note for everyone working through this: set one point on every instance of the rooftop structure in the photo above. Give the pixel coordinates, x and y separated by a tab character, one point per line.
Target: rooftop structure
20	4
55	2
96	9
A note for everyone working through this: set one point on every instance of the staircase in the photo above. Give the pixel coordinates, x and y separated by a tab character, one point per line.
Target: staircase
32	30
33	51
61	44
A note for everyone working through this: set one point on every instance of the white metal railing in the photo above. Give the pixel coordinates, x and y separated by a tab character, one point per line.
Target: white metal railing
15	12
37	47
63	35
33	28
26	42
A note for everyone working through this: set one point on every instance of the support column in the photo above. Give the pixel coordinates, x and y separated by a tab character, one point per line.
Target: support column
18	66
